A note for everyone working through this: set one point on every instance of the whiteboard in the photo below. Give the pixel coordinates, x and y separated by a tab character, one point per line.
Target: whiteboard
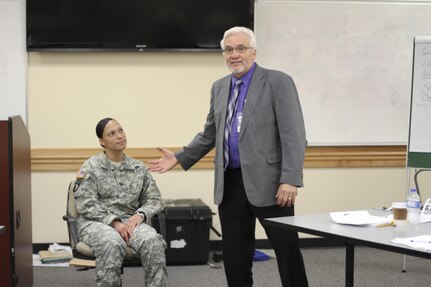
420	118
351	62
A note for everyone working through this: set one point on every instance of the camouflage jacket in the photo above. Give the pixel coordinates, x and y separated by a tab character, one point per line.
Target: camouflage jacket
108	193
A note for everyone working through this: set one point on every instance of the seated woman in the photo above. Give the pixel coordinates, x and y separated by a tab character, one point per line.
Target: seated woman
116	201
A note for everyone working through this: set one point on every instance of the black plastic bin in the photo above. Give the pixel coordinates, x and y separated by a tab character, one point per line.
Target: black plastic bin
188	223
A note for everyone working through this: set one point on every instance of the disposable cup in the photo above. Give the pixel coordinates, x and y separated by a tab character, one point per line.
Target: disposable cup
399	211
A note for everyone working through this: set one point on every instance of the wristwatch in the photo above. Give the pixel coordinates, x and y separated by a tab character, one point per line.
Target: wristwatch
141	213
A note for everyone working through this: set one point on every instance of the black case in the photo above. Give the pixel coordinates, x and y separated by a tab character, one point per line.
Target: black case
188	223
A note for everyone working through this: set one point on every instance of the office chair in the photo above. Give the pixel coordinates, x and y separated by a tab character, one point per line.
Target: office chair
81	250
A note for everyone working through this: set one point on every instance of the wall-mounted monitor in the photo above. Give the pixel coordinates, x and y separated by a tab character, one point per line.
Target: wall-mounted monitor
136	25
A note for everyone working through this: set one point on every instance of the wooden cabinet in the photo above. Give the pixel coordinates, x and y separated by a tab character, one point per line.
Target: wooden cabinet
16	247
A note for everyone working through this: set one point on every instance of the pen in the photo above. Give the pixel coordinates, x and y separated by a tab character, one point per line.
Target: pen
385	224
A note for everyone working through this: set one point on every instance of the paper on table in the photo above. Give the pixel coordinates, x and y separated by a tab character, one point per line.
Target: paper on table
361	217
418	242
426	212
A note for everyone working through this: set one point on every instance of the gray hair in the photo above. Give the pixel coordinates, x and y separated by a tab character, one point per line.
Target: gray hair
239	30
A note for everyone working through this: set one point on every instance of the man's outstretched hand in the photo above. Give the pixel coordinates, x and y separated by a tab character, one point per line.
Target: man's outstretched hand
165	163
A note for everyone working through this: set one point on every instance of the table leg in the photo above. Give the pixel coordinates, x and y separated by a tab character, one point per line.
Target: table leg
350	261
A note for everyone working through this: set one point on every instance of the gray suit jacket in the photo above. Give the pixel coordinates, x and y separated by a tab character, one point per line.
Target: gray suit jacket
271	141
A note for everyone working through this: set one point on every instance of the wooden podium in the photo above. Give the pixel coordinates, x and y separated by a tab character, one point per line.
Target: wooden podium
16	246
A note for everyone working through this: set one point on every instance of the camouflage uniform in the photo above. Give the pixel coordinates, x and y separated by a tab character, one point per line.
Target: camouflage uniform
108	193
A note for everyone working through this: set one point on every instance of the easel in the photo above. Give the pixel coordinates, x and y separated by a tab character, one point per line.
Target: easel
419	142
415	178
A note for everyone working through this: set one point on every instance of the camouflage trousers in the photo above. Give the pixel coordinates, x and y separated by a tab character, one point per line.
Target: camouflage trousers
110	248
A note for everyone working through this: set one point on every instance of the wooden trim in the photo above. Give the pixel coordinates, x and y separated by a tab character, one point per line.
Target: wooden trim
356	156
71	159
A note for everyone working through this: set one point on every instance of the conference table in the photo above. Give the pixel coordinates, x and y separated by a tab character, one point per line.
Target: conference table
351	235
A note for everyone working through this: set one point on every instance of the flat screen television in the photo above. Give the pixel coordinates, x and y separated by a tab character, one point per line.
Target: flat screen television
137	25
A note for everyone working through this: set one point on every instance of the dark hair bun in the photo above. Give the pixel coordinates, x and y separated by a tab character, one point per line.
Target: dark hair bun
101	126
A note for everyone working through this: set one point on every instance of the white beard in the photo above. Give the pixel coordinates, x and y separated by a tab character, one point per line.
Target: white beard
237	70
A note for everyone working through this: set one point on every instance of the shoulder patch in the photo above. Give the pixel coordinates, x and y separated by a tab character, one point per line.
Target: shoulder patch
80	174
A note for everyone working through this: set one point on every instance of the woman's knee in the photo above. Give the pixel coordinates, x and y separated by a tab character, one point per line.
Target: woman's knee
153	248
112	246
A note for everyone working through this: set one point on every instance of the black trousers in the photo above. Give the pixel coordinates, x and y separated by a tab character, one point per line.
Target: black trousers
238	221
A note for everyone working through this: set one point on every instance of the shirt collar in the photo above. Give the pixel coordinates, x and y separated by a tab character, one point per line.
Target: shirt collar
125	164
246	78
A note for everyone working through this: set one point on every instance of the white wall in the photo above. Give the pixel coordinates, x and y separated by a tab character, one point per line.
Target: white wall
13	59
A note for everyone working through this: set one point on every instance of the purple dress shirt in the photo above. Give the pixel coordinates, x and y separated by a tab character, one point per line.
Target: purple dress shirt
234	160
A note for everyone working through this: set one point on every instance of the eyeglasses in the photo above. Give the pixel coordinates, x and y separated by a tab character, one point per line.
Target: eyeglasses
239	49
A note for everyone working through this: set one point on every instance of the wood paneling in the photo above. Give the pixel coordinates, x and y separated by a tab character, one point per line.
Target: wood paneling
71	159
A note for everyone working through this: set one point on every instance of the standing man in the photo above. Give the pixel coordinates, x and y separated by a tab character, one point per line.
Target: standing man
116	201
255	123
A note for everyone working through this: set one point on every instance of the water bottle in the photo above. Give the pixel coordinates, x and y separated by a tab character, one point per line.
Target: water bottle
413	207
